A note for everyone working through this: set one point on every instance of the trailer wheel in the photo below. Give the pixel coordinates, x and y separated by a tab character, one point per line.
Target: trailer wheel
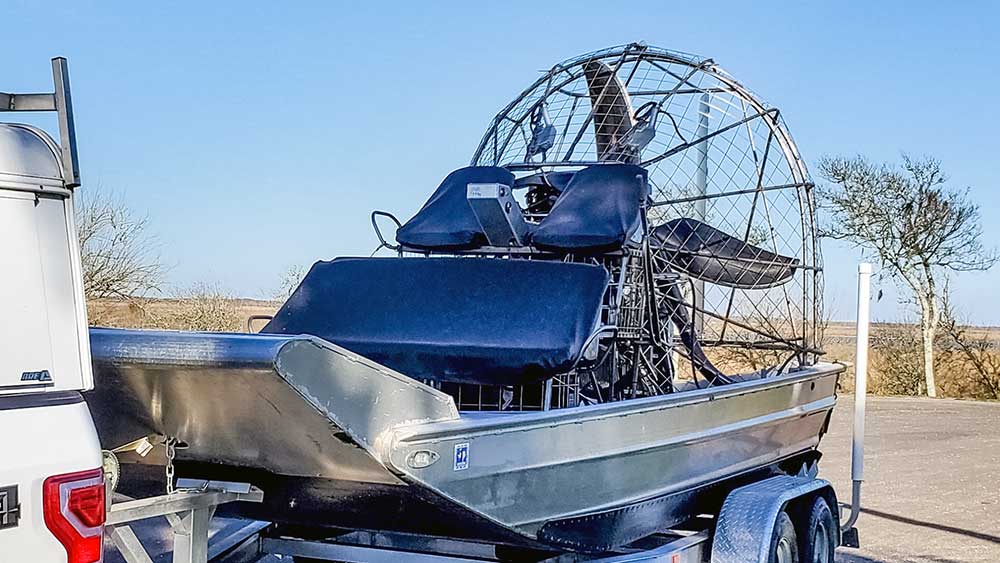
784	544
819	536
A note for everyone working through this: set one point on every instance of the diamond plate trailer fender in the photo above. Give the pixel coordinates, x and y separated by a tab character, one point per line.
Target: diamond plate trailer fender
746	522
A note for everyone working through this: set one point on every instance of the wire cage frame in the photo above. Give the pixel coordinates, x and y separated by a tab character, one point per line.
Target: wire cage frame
714	152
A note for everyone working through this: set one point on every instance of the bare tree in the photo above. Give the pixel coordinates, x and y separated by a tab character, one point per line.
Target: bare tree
203	306
977	354
118	254
290	280
915	227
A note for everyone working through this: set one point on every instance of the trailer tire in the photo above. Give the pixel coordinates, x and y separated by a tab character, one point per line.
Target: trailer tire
819	535
784	543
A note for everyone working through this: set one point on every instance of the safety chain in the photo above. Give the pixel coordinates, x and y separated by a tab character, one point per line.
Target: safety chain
170	443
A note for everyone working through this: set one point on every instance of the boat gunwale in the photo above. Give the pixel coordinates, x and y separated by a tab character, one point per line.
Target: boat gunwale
527	528
479	423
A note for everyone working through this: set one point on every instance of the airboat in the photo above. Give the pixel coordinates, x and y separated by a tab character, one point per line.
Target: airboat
604	323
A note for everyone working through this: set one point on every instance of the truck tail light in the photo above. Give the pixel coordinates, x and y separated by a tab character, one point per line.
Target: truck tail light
74	512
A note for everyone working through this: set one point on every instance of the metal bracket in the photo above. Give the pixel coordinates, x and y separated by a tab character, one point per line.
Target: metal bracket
849	538
188	512
27	102
497	213
376	547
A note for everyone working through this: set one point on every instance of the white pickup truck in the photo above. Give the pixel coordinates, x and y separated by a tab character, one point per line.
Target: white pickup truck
52	495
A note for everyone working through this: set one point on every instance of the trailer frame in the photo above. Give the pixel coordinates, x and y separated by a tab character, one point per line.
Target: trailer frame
189	510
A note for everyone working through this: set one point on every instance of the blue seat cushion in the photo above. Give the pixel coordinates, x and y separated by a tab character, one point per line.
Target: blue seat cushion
469	320
597	212
446	221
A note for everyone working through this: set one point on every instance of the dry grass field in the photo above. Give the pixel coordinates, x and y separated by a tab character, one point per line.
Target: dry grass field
969	369
205	311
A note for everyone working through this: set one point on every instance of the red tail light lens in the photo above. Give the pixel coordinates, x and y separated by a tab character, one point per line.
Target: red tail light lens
87	504
74	512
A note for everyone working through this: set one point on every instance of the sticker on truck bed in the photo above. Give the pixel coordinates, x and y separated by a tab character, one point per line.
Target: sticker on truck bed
461	456
41	376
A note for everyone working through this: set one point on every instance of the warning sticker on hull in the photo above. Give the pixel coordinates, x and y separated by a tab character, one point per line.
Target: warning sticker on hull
461	456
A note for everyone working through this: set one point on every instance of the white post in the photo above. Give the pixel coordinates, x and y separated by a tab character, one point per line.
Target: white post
860	392
701	149
701	205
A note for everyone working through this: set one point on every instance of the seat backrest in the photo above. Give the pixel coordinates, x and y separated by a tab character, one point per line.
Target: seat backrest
470	320
446	222
598	212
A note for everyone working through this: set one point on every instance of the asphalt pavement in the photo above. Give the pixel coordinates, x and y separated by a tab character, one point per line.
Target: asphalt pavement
932	480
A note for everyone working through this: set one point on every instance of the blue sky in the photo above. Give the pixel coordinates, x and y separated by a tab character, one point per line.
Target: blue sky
257	136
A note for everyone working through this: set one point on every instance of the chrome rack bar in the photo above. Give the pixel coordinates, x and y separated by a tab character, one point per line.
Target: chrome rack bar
61	102
27	102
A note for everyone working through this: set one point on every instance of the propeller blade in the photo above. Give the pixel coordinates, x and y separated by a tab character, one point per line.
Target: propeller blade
613	113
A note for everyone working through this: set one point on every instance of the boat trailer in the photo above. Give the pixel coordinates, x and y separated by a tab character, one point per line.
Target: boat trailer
742	533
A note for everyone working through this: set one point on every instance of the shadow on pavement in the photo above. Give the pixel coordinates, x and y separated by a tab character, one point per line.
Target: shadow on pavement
843	557
848	557
932	525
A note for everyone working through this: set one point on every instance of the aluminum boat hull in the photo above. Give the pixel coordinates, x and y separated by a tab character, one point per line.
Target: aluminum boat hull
336	440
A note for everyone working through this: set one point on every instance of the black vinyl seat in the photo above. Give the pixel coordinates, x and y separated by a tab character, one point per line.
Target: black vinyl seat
597	212
467	320
446	222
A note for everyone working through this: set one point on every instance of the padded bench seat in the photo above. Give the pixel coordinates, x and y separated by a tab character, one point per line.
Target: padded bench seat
468	320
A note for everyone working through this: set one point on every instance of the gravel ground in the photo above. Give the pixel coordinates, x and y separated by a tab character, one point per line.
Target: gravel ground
932	487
